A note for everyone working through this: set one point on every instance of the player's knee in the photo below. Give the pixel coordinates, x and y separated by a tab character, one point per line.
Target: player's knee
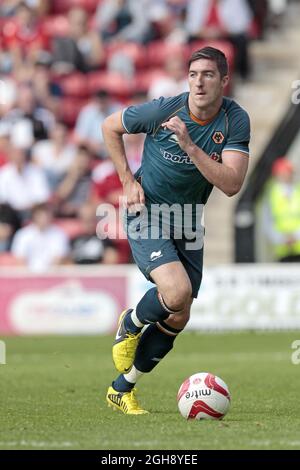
179	321
177	296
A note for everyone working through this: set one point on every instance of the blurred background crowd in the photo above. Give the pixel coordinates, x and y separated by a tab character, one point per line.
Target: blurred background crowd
65	65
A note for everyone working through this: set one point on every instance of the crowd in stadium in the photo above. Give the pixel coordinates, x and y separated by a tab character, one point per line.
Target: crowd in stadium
65	65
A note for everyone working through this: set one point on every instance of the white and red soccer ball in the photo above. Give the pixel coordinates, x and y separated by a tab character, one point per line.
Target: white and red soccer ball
203	396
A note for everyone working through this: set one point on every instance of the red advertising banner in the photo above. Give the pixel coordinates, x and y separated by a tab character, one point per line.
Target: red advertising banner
60	303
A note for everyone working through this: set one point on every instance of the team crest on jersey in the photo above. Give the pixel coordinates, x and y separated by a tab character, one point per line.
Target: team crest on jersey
218	137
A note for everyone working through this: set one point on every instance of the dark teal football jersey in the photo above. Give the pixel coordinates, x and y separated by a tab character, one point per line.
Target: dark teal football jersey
167	174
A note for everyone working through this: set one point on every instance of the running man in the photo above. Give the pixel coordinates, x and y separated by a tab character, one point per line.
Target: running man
194	141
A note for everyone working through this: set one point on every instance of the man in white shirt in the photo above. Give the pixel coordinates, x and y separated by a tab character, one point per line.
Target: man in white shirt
22	184
88	131
41	244
175	81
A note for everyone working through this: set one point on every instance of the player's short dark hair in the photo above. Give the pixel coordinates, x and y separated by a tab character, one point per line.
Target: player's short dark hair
211	53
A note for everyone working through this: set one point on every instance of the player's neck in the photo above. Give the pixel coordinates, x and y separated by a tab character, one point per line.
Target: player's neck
207	113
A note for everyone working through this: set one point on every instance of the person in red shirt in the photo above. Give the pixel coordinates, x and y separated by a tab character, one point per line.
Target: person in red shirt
24	36
4	144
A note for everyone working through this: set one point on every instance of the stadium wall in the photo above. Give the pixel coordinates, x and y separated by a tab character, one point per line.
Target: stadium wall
89	300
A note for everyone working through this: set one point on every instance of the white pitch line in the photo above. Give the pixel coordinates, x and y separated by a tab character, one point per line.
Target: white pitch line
24	443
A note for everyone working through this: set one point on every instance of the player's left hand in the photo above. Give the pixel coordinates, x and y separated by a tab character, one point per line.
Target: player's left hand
176	125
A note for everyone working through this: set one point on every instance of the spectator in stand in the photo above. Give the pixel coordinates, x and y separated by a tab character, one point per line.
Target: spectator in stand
47	92
177	6
166	24
41	244
82	50
75	188
107	187
56	155
24	36
41	7
175	81
123	20
9	224
22	184
88	128
9	7
134	144
8	95
222	19
39	120
4	144
88	247
277	10
282	212
260	14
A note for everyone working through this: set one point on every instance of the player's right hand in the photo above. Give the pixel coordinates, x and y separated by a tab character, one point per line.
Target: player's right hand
134	197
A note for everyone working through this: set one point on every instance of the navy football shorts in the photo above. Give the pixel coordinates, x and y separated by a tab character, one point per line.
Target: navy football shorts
150	252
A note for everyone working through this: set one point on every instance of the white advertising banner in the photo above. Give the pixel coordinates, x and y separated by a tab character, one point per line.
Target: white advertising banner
88	300
63	301
240	297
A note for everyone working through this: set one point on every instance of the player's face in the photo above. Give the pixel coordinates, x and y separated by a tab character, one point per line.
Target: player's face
206	84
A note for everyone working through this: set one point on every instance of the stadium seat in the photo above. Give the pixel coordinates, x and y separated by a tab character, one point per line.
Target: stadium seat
76	85
8	259
145	78
70	108
118	85
71	227
115	84
159	51
63	6
56	26
136	52
96	81
123	250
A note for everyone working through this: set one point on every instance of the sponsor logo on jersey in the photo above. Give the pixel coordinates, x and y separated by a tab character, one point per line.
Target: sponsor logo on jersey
218	137
177	158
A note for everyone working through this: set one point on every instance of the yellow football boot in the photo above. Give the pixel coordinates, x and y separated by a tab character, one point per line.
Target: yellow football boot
124	347
124	401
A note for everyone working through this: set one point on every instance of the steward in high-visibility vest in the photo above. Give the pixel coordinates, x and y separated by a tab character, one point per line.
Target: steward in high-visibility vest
284	204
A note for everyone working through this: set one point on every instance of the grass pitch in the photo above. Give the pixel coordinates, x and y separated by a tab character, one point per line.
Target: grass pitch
52	395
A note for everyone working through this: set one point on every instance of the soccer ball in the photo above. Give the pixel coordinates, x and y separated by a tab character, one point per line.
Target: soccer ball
203	396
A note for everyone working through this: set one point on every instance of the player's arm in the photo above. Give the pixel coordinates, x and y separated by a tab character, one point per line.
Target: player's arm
228	176
113	131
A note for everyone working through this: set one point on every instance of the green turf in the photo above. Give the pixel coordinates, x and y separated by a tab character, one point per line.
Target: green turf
52	395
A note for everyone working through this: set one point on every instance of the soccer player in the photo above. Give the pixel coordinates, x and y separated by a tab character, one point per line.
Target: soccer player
194	141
